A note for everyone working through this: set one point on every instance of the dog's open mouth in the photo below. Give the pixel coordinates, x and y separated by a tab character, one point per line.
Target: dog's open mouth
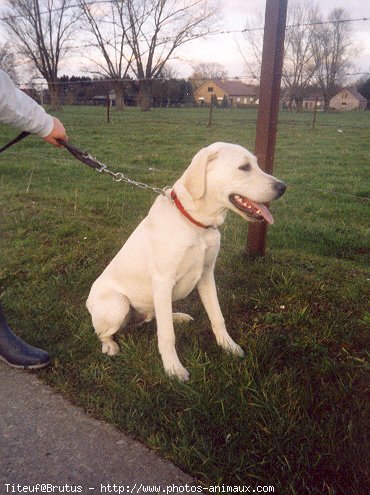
257	211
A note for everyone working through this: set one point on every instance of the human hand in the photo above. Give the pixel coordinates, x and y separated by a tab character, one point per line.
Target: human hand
58	132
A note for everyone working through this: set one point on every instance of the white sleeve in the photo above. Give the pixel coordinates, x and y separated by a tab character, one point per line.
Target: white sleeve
19	110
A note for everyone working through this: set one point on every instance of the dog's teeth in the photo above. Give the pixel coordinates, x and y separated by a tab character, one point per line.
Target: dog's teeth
246	204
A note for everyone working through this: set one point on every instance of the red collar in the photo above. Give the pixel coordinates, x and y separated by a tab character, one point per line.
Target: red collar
182	210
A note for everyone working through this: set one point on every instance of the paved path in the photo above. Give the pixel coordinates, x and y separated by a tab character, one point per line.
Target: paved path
46	440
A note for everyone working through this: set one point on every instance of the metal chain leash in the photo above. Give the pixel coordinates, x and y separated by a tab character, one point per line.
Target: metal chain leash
100	167
120	177
87	159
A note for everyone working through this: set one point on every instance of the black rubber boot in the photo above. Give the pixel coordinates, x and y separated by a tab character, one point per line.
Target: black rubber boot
17	353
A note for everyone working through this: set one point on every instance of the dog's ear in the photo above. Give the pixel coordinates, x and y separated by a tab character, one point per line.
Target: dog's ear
194	177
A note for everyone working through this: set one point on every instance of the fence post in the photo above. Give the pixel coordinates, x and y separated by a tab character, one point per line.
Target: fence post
268	108
108	109
314	114
210	112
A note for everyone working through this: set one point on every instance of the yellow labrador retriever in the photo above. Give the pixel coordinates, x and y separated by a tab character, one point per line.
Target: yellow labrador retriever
174	250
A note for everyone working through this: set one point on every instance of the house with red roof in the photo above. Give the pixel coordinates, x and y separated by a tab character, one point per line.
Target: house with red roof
233	93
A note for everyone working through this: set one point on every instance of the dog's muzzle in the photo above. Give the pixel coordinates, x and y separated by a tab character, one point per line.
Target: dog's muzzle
280	188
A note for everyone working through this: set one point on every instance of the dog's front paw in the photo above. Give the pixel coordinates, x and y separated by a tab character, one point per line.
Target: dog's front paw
179	372
110	347
231	347
236	350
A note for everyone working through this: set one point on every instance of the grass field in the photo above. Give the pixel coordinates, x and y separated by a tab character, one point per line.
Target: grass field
292	413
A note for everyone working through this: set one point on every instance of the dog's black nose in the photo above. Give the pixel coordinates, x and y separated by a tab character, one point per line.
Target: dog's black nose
280	187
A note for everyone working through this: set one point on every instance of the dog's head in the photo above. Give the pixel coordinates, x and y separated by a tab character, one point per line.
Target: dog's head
228	175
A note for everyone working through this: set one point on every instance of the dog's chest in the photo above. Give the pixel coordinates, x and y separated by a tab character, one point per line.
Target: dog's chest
191	268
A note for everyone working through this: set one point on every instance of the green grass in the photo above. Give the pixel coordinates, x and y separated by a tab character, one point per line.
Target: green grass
292	413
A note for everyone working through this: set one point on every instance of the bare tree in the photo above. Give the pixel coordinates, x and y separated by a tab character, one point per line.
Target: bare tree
40	31
7	61
300	64
333	50
210	70
363	87
157	28
316	51
252	53
108	29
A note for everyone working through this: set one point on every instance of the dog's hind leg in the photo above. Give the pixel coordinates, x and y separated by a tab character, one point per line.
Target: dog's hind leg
109	311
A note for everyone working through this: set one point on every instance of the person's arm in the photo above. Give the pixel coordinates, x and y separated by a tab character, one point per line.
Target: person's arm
57	132
19	110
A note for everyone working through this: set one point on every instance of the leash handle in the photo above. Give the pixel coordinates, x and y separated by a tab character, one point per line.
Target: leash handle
83	156
16	140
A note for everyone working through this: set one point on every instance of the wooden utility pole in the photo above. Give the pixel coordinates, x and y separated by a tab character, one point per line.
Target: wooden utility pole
268	108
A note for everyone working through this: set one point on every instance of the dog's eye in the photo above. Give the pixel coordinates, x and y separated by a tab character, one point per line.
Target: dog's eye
246	167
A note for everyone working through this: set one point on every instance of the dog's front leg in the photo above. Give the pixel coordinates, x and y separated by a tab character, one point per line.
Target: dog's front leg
162	293
208	294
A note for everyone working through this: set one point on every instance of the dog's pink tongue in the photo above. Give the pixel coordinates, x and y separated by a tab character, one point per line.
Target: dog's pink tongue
264	211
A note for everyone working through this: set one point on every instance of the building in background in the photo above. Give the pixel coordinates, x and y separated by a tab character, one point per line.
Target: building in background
348	99
227	93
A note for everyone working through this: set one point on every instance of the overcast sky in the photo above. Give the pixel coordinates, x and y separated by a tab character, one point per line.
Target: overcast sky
223	48
236	13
